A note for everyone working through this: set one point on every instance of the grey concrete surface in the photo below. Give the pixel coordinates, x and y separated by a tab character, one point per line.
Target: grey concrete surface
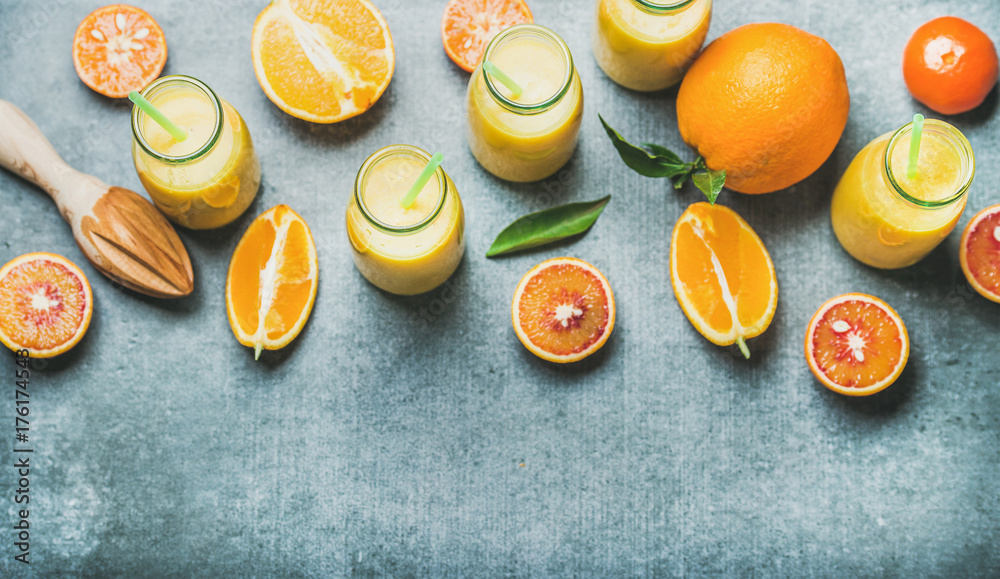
416	436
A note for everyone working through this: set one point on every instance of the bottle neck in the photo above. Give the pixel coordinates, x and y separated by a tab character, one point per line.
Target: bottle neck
945	169
374	170
188	86
662	7
546	40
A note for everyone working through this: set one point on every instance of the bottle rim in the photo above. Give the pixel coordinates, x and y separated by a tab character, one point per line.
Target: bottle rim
191	82
538	31
361	182
956	138
661	8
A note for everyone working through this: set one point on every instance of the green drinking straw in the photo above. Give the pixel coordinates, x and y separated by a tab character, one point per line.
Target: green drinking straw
154	113
918	129
492	70
422	180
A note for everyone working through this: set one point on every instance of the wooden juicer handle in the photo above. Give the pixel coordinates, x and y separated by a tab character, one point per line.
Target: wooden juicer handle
122	234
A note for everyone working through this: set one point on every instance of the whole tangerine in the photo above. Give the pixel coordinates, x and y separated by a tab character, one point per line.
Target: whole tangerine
950	65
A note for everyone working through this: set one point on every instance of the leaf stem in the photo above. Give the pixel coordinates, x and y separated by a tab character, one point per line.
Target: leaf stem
743	347
652	160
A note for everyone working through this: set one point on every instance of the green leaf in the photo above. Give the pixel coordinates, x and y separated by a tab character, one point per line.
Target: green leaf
641	161
660	161
662	151
710	182
548	226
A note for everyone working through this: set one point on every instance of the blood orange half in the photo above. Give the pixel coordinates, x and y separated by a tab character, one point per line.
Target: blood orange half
563	310
45	304
856	344
979	253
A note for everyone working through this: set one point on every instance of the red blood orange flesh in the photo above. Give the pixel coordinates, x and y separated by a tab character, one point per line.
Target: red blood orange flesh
980	253
563	310
45	304
856	344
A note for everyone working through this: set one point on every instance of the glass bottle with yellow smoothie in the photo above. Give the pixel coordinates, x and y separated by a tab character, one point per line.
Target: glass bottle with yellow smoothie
646	45
531	136
887	220
206	180
405	251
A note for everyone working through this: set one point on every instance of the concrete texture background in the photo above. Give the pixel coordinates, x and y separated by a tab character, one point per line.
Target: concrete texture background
416	436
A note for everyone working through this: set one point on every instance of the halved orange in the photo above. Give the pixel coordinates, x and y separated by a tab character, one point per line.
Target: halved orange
856	344
563	310
469	25
979	253
117	49
322	60
722	275
272	280
45	304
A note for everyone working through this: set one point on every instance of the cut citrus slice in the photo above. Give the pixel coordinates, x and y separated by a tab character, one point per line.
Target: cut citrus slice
322	60
469	25
856	344
118	49
563	310
979	253
271	285
45	304
722	275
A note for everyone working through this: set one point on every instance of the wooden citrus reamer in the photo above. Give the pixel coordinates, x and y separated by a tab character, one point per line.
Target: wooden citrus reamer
122	234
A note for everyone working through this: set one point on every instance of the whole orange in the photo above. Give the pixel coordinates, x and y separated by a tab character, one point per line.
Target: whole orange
767	103
950	65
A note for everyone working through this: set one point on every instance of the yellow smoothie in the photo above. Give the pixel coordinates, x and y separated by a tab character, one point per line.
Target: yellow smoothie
646	45
887	220
411	250
211	177
531	136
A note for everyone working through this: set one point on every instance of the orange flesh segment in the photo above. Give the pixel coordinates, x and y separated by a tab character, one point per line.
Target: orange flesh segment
326	59
272	280
564	309
42	304
248	263
294	284
321	97
118	49
700	281
716	238
871	331
983	252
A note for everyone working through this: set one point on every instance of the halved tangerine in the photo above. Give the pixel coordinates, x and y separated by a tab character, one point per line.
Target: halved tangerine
722	275
45	304
272	280
322	60
979	253
117	49
563	310
856	344
469	25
